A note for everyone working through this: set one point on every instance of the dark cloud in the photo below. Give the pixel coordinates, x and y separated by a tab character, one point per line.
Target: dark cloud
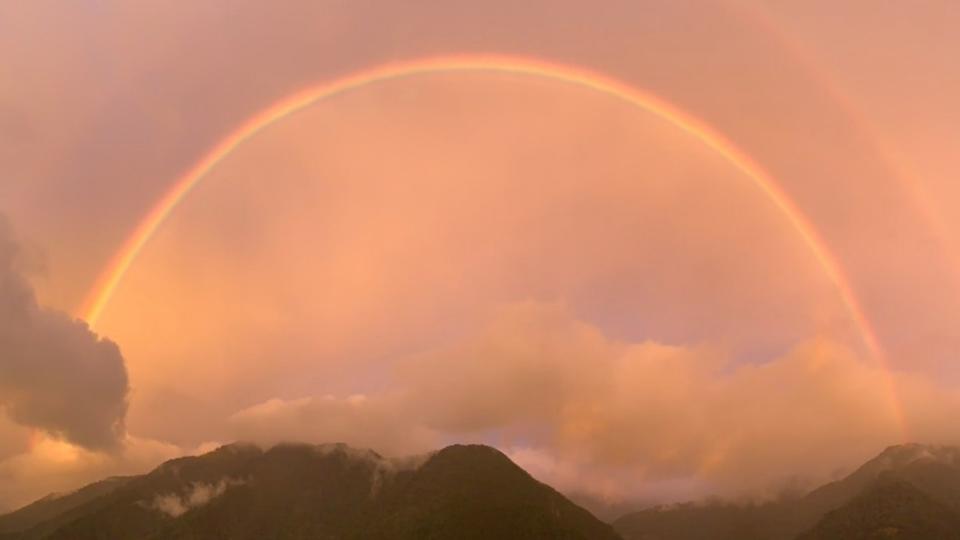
55	374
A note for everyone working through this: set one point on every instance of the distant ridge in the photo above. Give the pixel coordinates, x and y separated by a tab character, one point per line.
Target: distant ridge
891	509
909	492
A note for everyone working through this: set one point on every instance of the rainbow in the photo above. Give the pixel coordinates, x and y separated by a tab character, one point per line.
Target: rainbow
113	275
922	199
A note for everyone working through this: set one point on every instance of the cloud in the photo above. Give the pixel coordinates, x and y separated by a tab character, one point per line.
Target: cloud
377	422
55	374
53	465
592	415
14	438
199	494
623	420
630	401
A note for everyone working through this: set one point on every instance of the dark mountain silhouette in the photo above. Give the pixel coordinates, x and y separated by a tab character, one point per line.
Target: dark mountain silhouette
893	509
295	491
54	509
924	479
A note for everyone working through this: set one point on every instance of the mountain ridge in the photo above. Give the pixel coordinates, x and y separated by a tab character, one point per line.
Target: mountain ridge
931	474
293	491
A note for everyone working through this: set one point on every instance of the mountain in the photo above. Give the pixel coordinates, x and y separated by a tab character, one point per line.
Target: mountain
295	491
695	521
931	471
893	509
53	509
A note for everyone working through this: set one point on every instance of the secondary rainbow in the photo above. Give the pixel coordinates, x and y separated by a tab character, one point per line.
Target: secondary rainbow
883	150
115	271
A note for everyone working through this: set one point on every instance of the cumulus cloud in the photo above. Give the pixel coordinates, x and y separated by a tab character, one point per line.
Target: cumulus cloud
55	374
587	413
627	420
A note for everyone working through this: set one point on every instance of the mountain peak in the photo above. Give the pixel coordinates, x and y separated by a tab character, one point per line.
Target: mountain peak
471	451
891	509
904	489
903	456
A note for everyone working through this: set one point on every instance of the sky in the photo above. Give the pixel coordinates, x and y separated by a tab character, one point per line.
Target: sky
631	308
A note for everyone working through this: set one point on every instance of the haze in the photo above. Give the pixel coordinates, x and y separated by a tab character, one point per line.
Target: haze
482	255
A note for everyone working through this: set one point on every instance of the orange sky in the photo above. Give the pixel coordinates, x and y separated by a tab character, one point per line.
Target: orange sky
494	257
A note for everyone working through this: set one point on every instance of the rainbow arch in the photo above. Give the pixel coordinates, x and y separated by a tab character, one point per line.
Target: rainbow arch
760	16
116	269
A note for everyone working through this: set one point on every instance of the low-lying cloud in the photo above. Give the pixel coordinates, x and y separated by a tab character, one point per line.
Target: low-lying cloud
627	420
198	494
55	374
380	423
